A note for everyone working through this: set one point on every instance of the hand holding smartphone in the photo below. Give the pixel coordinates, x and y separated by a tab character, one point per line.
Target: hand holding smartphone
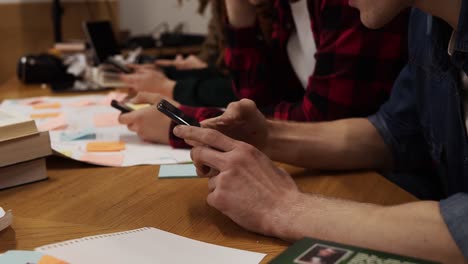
121	107
121	67
175	114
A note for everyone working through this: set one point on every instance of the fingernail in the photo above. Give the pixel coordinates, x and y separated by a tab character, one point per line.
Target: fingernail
177	130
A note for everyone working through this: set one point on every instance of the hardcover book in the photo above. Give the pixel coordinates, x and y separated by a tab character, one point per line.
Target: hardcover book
313	251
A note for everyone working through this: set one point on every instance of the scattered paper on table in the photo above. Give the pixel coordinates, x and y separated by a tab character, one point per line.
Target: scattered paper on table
82	103
114	160
97	146
106	119
71	131
178	171
57	123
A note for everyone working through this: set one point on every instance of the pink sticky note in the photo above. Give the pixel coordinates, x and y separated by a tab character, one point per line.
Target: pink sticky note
83	103
106	119
105	160
34	101
113	96
56	123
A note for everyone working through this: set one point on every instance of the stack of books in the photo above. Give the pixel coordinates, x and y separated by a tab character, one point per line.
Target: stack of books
22	151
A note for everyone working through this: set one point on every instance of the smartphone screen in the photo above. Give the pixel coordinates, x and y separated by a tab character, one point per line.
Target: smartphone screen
175	114
121	67
121	107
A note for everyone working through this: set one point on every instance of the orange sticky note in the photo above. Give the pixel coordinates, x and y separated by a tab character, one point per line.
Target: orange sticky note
45	115
105	160
50	260
47	106
56	123
106	119
105	146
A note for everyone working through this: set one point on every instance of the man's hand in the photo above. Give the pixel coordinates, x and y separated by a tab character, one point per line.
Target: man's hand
242	121
247	187
149	80
148	123
192	62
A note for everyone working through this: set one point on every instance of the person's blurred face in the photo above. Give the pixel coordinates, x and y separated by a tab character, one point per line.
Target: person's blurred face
326	252
377	13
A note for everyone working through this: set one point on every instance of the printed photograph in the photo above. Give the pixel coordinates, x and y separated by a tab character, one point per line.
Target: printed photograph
323	254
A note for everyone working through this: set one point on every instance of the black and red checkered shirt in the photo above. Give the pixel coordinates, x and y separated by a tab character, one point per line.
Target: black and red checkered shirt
354	73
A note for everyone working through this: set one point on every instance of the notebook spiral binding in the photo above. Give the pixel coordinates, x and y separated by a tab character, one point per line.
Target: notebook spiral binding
77	241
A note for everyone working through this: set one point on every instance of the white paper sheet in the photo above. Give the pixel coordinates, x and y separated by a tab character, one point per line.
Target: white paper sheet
80	114
147	246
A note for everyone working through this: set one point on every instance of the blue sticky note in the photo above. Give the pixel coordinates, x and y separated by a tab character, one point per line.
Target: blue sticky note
85	134
20	257
178	171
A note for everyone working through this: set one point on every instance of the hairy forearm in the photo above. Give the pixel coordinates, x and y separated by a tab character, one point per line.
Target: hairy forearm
448	10
337	145
414	229
240	13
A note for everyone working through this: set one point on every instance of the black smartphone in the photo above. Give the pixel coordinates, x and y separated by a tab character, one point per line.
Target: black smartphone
120	66
175	114
121	107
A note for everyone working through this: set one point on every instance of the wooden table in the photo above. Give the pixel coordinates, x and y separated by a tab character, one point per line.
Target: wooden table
82	200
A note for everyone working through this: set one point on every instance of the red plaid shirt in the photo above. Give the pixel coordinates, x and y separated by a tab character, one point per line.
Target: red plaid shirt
353	76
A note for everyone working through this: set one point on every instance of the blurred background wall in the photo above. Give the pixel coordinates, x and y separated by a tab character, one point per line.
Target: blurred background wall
142	16
26	26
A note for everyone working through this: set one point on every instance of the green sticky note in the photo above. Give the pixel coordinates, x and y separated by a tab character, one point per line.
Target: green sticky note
177	171
17	257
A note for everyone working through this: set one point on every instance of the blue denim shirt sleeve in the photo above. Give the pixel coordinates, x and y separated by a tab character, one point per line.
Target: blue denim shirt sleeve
454	211
398	123
460	53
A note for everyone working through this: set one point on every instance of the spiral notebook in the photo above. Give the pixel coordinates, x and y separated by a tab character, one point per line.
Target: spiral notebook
146	245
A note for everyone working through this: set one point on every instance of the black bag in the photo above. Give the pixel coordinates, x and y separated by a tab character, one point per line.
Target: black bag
42	68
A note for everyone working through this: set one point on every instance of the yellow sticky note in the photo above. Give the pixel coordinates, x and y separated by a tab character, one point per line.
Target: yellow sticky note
106	119
45	115
105	146
138	106
47	106
66	153
105	160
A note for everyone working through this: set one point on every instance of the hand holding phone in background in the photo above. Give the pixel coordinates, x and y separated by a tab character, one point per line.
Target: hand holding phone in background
120	66
121	107
146	79
148	123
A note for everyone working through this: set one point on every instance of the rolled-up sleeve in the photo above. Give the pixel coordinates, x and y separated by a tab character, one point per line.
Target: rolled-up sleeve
398	123
454	211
